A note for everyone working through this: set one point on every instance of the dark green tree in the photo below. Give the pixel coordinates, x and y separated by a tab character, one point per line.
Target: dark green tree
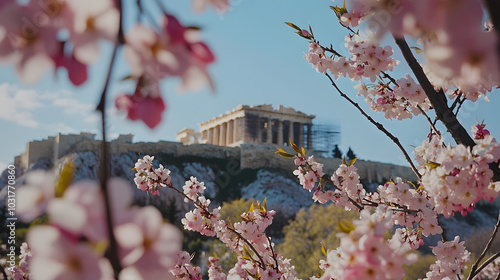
336	152
350	154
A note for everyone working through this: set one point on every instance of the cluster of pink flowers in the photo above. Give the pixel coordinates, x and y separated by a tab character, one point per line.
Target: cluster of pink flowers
73	240
346	181
184	270
404	100
364	253
176	51
149	179
247	238
451	259
458	177
368	59
21	271
468	62
31	39
215	271
414	209
309	174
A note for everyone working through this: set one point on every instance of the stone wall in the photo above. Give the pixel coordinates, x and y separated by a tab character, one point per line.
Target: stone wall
254	156
249	155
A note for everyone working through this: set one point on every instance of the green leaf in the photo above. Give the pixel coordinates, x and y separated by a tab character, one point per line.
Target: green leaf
339	11
295	147
293	26
251	208
246	252
65	179
433	165
346	226
264	204
417	50
352	161
323	250
344	161
285	154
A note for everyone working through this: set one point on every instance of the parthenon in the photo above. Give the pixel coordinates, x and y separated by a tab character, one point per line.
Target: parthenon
253	124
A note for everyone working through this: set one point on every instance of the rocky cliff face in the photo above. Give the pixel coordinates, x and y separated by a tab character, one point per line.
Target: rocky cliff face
226	180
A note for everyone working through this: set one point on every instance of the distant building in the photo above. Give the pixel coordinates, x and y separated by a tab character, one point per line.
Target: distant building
253	124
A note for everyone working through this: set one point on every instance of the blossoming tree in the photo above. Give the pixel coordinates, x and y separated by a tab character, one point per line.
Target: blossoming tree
95	235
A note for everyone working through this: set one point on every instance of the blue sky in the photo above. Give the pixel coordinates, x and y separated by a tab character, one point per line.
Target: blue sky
259	61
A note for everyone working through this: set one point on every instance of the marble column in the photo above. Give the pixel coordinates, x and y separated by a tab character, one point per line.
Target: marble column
210	137
229	132
216	135
222	137
290	132
280	133
236	129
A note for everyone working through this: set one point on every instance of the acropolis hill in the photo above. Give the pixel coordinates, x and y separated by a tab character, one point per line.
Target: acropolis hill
248	135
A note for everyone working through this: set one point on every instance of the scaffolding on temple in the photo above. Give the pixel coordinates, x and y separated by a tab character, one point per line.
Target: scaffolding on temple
325	137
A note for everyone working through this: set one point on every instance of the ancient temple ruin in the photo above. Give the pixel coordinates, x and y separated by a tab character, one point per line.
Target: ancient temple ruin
253	124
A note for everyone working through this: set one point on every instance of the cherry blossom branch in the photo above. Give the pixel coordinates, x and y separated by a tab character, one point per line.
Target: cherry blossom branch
452	107
206	212
431	124
485	264
440	104
473	271
378	125
112	252
272	251
262	264
437	98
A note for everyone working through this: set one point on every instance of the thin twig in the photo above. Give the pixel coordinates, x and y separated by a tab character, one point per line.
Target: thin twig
272	252
473	271
112	251
378	125
457	99
460	105
485	264
431	124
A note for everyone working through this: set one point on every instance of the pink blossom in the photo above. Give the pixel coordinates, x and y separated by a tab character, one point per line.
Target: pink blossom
35	195
27	42
149	247
139	106
219	5
93	20
55	256
81	210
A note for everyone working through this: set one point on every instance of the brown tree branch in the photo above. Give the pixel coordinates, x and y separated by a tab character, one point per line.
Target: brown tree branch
440	104
112	251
